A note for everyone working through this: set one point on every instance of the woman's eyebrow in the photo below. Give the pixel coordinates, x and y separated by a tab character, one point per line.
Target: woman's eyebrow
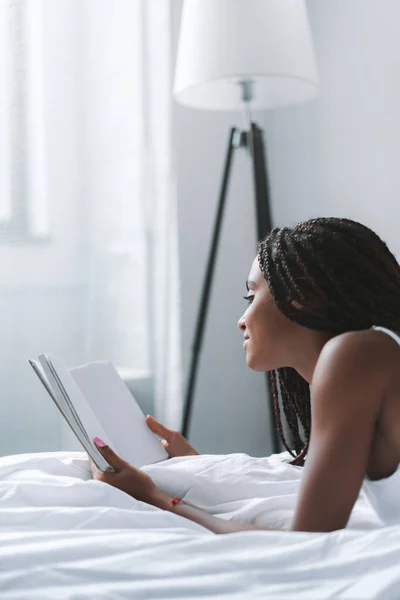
250	284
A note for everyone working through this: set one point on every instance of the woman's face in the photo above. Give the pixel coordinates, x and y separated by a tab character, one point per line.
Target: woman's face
266	330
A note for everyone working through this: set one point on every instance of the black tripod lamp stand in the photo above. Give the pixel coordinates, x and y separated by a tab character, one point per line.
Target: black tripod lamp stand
252	141
234	54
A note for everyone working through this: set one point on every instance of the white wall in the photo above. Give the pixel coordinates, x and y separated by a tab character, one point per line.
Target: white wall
335	156
339	155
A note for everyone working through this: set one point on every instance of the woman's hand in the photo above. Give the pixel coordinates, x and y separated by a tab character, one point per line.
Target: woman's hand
127	478
136	483
174	443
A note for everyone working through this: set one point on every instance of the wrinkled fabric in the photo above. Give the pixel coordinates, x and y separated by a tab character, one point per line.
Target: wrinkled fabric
64	535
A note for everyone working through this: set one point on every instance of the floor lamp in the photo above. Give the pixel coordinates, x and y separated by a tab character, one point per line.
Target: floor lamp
241	55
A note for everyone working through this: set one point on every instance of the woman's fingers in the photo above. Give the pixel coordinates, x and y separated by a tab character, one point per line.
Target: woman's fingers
157	428
173	442
111	457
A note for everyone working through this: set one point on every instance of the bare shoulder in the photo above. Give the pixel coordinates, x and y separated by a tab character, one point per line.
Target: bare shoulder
367	347
348	390
365	362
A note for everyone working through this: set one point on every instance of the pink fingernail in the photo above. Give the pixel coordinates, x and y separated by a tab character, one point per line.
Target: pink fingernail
99	442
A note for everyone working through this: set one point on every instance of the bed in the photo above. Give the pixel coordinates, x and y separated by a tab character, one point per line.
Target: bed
64	535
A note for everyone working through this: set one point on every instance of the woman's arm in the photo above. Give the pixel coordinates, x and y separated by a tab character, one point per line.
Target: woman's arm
214	524
348	387
139	485
347	390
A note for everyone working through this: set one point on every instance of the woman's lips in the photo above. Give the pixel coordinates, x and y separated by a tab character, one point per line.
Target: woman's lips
245	343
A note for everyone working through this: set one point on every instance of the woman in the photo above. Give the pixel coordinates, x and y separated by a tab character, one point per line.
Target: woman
319	295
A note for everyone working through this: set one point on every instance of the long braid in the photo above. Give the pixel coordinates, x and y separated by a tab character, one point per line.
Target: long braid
345	279
274	377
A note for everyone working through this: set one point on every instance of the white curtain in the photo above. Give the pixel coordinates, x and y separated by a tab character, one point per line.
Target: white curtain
88	240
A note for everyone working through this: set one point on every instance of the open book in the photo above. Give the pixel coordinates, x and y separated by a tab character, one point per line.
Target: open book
95	402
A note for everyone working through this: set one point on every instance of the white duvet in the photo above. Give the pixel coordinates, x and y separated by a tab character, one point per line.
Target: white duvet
63	535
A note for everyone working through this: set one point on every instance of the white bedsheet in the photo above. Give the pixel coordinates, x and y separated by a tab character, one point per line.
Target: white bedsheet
63	535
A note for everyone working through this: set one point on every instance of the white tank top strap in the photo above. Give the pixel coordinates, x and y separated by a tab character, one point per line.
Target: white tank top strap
389	332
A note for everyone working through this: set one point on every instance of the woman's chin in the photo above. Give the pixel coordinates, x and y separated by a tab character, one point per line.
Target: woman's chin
255	364
252	363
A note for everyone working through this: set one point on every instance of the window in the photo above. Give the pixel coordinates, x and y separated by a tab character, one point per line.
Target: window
23	209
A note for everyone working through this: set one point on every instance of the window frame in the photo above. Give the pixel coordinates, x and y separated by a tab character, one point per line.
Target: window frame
23	106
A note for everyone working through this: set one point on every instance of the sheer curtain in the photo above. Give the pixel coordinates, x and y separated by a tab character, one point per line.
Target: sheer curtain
88	240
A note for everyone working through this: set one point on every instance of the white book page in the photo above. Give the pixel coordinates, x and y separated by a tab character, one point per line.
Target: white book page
74	407
119	413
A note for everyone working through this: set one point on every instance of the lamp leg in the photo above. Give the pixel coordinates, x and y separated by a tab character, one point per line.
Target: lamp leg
264	226
261	186
263	223
205	296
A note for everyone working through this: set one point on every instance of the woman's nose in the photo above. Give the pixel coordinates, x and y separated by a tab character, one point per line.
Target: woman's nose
241	324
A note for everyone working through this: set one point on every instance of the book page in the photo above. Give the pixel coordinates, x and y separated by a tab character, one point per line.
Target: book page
73	406
118	413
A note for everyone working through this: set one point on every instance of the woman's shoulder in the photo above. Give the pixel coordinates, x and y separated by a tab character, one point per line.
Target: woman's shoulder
364	343
370	356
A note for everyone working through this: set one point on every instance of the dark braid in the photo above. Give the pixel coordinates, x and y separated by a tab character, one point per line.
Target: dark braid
345	279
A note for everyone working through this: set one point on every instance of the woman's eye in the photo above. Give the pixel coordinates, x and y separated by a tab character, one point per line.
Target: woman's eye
249	298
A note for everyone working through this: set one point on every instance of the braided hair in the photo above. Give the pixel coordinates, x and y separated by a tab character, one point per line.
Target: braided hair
345	279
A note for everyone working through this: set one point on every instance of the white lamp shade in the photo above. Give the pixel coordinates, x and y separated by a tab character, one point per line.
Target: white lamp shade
225	41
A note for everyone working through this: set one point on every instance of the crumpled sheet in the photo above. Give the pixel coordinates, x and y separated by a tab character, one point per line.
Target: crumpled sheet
64	535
